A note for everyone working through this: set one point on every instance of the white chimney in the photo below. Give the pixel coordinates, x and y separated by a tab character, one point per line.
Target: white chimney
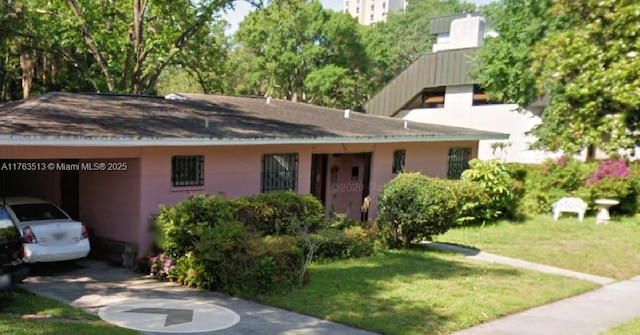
467	32
406	124
347	113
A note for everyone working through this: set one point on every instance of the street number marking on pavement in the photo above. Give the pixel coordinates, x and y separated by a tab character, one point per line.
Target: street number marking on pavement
168	316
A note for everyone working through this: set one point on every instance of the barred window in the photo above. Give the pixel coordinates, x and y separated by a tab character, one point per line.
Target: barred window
279	173
398	160
458	162
187	171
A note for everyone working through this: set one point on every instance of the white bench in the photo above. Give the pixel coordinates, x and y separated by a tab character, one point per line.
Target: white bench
569	205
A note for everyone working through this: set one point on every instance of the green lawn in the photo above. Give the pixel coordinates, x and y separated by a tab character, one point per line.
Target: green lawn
628	328
607	250
421	292
65	319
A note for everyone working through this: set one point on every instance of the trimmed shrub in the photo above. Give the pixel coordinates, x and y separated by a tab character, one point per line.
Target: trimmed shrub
504	193
471	198
413	207
279	213
179	225
232	259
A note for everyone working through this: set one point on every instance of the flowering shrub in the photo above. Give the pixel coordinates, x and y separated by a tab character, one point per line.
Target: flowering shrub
614	180
611	168
160	266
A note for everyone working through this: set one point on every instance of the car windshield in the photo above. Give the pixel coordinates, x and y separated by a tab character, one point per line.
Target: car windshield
38	211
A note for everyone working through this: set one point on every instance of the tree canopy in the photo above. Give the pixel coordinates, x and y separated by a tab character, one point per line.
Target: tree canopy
299	51
583	55
108	45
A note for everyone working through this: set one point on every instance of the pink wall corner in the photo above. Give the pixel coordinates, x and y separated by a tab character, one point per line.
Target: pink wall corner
110	200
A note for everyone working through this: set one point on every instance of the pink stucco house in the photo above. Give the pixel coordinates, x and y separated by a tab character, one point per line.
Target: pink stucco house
111	160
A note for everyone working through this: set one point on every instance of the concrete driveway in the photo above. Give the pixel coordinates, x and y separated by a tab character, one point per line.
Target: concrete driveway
92	285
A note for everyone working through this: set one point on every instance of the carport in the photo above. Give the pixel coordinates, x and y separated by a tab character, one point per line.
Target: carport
98	186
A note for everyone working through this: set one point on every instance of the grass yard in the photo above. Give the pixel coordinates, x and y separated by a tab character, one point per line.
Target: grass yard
607	250
421	292
64	318
628	328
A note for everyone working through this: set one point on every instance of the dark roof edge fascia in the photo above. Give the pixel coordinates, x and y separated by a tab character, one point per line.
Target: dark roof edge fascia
7	140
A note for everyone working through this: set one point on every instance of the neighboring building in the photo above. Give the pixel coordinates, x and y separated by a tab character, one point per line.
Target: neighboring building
438	89
111	160
371	11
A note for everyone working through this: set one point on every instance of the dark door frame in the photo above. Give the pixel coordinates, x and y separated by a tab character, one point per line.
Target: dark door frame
366	181
319	162
70	190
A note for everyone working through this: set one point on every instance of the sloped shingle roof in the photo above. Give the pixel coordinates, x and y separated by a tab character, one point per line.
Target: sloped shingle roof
205	117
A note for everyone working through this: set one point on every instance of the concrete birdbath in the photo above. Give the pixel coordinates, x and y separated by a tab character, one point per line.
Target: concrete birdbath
603	213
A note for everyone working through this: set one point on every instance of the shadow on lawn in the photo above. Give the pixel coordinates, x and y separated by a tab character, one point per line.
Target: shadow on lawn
379	293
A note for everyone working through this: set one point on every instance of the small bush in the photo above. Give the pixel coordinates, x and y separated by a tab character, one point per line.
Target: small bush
352	242
621	189
279	213
413	207
504	194
613	179
160	266
471	198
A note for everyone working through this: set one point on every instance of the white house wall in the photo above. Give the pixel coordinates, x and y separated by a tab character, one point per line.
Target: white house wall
459	112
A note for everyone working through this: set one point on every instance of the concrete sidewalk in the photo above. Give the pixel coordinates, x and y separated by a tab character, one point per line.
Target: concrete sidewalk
517	263
92	285
589	313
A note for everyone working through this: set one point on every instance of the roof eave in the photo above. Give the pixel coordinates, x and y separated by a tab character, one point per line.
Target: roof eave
10	140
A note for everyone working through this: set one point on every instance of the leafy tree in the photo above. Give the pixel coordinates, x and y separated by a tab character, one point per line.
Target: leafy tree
582	55
111	45
592	74
291	48
503	65
29	63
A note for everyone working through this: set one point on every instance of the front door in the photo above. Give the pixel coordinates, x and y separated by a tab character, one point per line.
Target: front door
319	176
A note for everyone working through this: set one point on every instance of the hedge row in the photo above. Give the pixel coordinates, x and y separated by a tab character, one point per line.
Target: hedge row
248	245
556	178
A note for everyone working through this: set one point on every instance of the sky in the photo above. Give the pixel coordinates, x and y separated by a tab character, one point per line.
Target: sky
242	8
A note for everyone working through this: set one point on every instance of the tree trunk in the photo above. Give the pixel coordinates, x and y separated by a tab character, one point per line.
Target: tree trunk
26	64
88	38
591	153
139	7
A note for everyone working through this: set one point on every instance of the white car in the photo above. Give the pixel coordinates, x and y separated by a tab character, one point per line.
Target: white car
49	234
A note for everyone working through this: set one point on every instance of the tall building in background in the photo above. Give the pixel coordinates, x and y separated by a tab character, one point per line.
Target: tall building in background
372	11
